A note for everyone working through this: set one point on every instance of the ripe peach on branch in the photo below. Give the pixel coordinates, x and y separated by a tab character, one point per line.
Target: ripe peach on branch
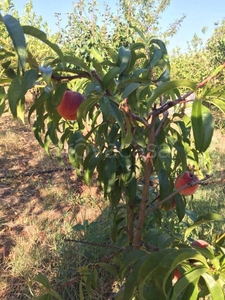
69	105
184	179
200	243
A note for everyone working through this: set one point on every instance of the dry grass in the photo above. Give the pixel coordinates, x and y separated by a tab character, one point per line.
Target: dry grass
37	212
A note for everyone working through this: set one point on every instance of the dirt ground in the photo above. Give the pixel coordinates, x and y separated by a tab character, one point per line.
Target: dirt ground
25	171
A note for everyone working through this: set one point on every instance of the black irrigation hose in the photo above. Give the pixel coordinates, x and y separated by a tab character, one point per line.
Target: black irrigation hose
35	173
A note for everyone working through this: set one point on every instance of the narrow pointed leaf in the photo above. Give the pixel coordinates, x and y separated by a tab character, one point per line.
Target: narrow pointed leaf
132	279
185	281
17	35
19	87
214	287
129	89
128	138
220	103
130	259
201	220
108	268
166	86
86	106
169	263
37	33
203	125
110	76
43	280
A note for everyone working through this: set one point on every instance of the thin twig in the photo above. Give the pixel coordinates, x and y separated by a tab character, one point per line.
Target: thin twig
71	77
181	99
162	122
192	183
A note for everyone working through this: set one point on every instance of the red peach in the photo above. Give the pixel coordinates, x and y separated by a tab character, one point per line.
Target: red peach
183	179
176	276
69	105
200	243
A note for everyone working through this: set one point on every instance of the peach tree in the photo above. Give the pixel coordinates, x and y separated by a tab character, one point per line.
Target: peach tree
135	132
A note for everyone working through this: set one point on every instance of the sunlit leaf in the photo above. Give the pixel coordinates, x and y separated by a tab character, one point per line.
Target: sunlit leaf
185	281
220	103
167	86
19	87
109	77
203	125
17	35
86	106
214	287
37	33
201	220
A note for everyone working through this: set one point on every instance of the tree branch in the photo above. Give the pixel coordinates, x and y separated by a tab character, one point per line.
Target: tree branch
148	169
170	104
158	204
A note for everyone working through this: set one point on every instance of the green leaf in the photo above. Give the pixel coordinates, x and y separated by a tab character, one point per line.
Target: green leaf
157	55
115	195
140	33
129	259
19	87
46	73
37	33
203	126
17	35
152	263
90	167
181	154
117	114
220	103
185	281
108	173
169	263
75	61
160	44
128	137
129	89
39	102
86	105
192	290
164	183
201	220
124	57
180	207
214	287
42	279
81	293
55	295
96	54
167	86
132	279
109	77
108	268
